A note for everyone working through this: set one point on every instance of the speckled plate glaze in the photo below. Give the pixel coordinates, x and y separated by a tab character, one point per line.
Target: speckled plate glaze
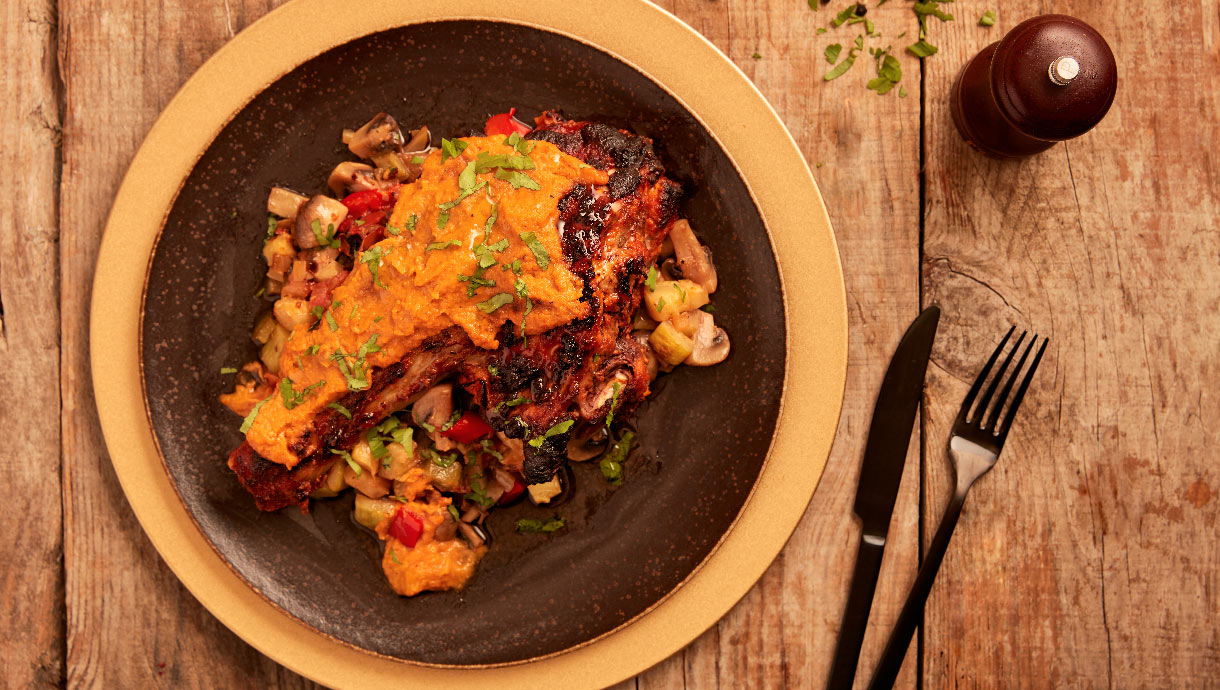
712	440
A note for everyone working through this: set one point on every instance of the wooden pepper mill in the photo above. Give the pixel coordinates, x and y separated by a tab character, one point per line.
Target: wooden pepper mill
1051	78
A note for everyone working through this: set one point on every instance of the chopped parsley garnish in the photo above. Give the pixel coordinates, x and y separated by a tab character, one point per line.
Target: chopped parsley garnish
292	397
452	148
393	229
347	457
613	404
352	316
832	52
330	320
453	419
393	553
517	179
491	220
271	223
535	526
889	73
921	49
356	375
249	420
515	266
486	162
681	292
496	301
487	448
661	304
445	460
442	219
340	409
847	13
611	463
523	147
708	308
932	7
411	222
560	428
442	245
519	400
651	280
417	160
475	283
228	370
326	239
478	493
373	258
311	350
988	18
369	347
540	254
454	512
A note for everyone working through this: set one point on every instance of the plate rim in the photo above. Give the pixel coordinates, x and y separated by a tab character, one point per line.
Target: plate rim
810	277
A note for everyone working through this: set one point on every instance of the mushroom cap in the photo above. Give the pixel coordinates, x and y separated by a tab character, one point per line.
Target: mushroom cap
711	343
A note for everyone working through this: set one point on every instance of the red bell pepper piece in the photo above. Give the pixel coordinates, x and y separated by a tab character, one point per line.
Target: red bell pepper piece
360	203
512	494
406	527
469	428
505	124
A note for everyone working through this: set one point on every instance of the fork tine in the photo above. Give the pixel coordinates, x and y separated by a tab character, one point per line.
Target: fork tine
995	382
1016	401
978	380
1012	378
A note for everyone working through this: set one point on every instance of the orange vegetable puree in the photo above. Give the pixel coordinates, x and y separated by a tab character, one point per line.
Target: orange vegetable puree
430	564
422	295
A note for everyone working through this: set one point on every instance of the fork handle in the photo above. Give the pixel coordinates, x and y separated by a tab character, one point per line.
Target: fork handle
912	610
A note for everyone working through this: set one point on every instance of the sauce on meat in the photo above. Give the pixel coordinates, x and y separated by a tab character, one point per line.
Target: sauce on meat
417	292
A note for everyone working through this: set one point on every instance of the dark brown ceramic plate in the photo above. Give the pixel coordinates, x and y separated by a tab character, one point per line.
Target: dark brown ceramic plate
703	437
728	456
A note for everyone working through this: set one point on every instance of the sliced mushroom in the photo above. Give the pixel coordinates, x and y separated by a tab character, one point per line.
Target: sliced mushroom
285	203
711	342
421	140
344	176
379	135
473	534
642	337
434	409
326	212
670	270
694	259
590	445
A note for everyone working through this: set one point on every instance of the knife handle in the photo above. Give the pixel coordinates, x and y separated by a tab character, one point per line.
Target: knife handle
855	616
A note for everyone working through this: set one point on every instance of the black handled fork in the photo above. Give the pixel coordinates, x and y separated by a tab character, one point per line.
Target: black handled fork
975	445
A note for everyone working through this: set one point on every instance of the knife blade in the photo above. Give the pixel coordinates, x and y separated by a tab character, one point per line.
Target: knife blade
885	452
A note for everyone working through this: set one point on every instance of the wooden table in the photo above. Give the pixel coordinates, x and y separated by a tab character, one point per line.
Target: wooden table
1087	558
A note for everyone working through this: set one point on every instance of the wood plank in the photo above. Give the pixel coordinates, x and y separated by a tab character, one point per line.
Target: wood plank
31	584
129	622
1087	558
865	150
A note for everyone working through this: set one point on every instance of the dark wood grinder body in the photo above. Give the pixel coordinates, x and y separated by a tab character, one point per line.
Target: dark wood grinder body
1051	78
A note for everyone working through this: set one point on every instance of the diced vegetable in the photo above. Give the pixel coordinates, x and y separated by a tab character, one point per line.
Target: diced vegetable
672	347
284	203
447	476
291	312
505	124
363	455
511	494
280	245
673	297
334	482
406	527
367	483
263	328
543	493
468	429
370	512
270	354
396	464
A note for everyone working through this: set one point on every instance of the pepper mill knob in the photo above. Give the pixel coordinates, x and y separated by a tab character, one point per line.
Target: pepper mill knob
1050	79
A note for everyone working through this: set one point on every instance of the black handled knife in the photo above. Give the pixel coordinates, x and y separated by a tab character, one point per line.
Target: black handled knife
885	453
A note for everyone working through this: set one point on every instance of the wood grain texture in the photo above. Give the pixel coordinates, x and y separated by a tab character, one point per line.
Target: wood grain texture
129	622
783	632
1087	558
31	581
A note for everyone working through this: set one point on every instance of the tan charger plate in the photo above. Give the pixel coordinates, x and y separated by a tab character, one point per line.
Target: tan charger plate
724	102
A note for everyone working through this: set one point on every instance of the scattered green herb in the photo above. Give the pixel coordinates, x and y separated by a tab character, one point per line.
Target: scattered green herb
613	405
452	148
373	258
496	301
832	52
351	462
611	463
560	428
249	420
535	246
988	18
228	370
921	49
517	179
535	526
442	245
340	409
